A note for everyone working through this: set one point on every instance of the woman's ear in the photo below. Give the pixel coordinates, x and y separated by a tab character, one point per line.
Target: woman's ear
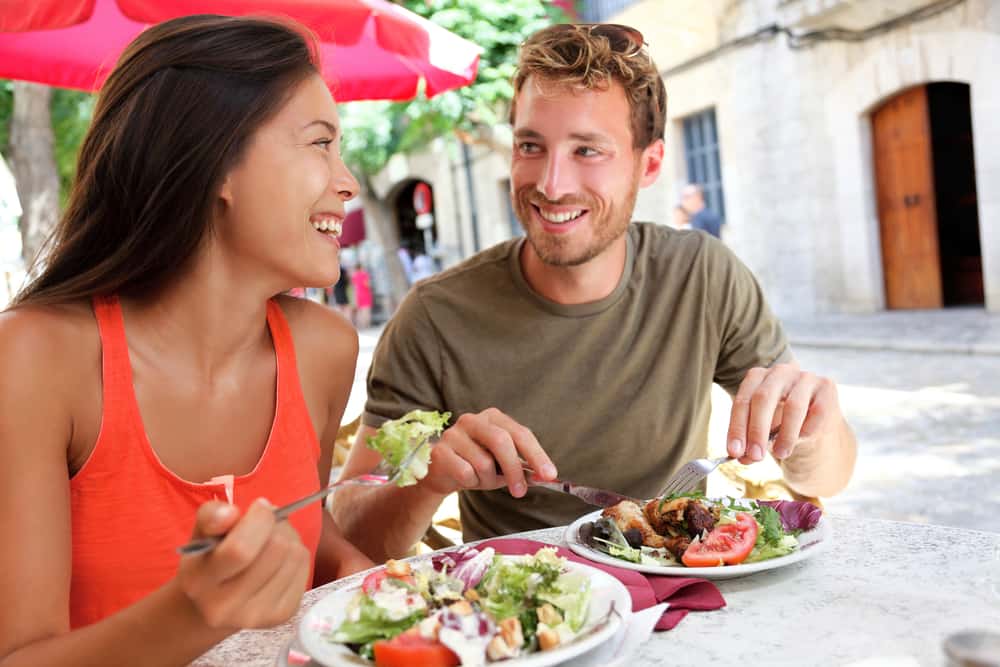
226	192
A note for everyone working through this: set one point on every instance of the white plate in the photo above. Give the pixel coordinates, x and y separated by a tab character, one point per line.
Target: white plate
810	544
605	591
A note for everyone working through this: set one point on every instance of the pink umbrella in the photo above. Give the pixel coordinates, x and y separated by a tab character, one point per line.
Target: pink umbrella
381	50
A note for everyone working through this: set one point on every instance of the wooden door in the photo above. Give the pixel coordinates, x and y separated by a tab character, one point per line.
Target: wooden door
904	177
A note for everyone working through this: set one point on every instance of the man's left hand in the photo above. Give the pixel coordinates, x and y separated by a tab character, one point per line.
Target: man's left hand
799	404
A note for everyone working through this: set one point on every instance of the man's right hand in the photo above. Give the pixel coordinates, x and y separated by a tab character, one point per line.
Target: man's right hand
255	577
486	451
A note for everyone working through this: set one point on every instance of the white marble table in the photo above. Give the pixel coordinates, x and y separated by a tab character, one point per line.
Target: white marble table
884	594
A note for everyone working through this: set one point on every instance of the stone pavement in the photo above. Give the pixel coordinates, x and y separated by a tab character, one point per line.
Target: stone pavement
947	331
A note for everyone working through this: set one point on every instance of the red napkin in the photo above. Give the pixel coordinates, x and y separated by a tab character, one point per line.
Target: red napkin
683	593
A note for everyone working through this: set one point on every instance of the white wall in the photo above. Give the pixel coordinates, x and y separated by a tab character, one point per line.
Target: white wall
796	150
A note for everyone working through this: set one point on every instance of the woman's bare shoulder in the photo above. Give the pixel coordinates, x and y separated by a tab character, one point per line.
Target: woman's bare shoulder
315	324
59	338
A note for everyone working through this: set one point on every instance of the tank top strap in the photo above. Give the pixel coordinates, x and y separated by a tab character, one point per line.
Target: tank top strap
116	369
291	404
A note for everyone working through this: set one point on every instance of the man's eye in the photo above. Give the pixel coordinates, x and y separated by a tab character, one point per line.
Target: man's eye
586	151
527	147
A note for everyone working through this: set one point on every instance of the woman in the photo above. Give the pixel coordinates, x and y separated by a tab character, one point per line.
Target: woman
152	381
361	283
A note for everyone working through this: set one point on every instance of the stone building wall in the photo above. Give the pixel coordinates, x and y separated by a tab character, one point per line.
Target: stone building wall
795	144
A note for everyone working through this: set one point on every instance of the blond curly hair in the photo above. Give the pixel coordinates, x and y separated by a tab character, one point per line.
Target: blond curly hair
591	56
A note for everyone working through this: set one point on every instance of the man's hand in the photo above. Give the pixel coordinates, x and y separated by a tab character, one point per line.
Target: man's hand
805	407
486	451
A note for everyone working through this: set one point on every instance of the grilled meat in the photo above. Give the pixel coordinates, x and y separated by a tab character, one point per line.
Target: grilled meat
629	516
686	517
698	519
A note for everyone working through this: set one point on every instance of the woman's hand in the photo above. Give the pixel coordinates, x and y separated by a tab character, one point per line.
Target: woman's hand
255	577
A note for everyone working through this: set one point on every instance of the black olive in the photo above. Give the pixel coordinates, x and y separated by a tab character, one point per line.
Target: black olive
634	537
601	530
586	533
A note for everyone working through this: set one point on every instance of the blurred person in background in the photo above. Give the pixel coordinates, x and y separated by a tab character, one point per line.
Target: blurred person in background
149	389
680	219
701	217
361	286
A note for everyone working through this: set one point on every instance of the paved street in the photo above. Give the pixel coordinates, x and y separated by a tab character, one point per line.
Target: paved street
928	423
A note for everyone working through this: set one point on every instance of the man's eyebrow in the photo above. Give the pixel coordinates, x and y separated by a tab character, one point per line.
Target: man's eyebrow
525	133
586	137
589	137
325	123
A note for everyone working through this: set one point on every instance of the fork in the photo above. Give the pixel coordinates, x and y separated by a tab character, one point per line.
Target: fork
384	473
694	471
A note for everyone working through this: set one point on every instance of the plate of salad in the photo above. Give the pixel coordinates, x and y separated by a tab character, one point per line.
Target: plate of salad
694	536
467	607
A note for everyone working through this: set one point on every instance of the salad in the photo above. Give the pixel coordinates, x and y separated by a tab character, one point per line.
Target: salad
694	531
466	607
396	439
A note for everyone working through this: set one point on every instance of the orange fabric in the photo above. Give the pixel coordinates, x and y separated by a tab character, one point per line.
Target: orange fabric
129	512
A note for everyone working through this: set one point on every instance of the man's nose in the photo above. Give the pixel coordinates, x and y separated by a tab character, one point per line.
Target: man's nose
555	181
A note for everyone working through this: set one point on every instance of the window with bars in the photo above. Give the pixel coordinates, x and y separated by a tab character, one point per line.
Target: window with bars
701	153
596	11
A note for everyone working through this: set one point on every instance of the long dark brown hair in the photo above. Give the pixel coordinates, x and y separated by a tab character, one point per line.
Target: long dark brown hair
172	119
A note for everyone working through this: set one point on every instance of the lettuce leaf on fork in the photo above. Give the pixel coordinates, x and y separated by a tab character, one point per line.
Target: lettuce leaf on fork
397	438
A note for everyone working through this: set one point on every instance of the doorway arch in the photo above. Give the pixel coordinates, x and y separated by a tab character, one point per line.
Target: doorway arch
925	188
963	56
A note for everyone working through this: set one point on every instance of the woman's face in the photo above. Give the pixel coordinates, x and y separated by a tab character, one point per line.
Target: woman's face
283	204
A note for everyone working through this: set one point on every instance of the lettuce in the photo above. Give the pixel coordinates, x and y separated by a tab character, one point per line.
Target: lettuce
398	438
371	622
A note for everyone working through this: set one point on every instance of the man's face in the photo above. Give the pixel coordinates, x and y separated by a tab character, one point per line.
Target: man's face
575	175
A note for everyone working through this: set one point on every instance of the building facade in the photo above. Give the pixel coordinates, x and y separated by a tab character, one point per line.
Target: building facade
856	144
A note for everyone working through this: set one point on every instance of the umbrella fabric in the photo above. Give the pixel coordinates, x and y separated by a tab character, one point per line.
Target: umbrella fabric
383	62
353	229
18	15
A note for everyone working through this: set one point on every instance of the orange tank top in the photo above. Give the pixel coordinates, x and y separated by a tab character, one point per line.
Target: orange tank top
130	513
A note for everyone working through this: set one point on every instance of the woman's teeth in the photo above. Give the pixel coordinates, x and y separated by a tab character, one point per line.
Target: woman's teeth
560	217
326	225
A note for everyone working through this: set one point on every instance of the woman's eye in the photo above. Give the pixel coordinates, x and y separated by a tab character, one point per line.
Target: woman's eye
323	143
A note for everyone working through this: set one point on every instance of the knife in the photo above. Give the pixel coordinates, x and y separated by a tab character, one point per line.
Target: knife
588	494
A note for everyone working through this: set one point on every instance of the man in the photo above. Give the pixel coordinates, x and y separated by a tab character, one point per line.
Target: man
702	217
593	343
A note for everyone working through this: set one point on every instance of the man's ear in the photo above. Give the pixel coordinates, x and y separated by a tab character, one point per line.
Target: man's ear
652	162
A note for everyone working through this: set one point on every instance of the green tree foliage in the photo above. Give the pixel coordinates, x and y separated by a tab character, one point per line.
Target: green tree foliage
375	131
71	111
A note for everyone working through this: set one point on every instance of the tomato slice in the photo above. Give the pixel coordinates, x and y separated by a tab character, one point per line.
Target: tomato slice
410	648
371	583
724	545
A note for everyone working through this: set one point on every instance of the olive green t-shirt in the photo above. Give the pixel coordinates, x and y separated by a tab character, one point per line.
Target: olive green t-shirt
617	391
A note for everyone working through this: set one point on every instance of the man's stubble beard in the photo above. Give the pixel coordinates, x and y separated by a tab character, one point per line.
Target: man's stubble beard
553	250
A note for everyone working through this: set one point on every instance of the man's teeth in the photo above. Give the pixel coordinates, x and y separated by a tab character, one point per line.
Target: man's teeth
560	217
329	226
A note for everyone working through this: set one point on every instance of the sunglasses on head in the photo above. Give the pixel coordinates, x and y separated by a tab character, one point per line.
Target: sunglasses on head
622	38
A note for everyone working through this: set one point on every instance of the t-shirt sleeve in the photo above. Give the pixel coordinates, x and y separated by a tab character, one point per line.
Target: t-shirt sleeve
749	333
405	371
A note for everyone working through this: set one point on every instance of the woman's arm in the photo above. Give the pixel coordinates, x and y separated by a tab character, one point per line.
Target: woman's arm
327	347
